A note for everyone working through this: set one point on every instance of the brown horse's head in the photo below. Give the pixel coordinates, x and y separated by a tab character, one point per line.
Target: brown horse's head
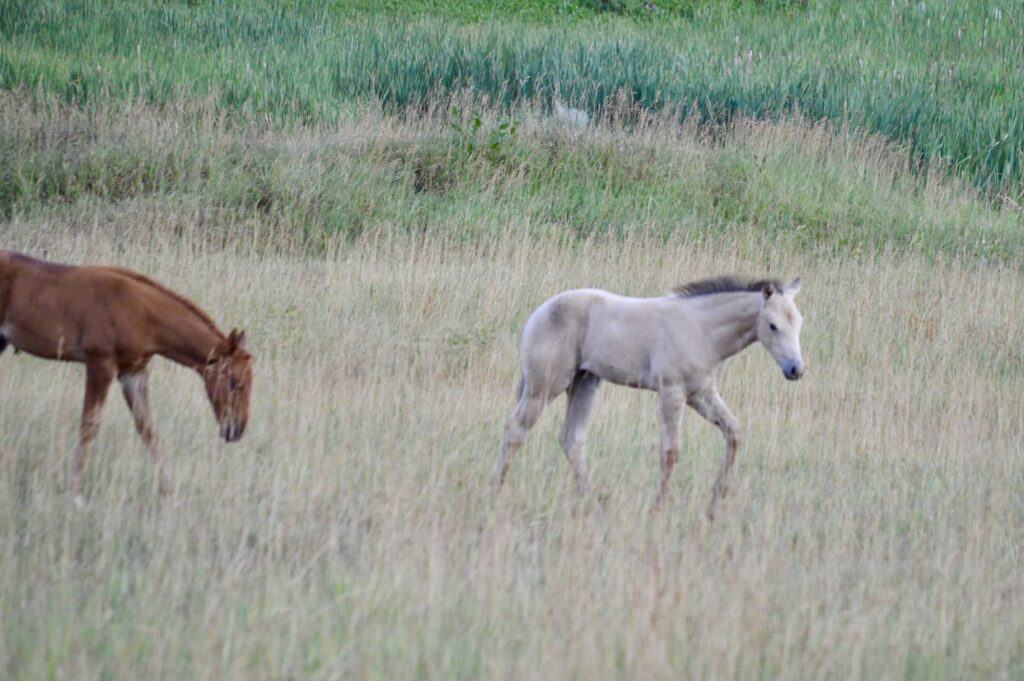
228	378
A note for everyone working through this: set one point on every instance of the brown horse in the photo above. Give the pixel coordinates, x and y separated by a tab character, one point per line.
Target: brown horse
114	321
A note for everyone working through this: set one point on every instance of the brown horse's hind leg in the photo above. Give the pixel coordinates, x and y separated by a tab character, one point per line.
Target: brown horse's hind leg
573	436
709	404
135	386
98	375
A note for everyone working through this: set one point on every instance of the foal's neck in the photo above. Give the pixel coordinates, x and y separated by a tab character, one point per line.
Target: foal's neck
732	321
187	338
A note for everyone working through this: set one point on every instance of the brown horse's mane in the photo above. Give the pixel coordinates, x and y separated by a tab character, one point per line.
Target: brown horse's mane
185	302
134	276
726	284
35	262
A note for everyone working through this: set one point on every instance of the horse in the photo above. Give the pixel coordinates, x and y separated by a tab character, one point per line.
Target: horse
113	321
674	345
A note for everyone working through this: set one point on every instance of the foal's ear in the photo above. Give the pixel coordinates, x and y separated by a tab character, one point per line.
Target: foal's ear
768	289
792	288
236	340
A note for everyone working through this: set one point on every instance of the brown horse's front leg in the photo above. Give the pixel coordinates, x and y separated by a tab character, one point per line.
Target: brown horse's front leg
98	375
709	404
135	386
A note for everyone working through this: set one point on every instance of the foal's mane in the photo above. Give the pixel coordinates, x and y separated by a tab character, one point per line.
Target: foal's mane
182	300
725	284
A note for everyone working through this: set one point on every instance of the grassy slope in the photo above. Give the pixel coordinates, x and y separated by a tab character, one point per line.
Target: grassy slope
941	77
303	187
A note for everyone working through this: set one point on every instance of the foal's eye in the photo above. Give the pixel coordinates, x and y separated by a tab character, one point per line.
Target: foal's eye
773	327
232	384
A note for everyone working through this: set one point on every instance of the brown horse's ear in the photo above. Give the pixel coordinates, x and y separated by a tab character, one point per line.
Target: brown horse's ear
234	342
768	289
239	339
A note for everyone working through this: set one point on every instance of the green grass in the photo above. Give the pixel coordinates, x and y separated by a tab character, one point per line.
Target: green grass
528	10
943	78
304	187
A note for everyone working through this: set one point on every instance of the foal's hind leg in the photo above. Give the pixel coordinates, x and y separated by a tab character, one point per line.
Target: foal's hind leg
135	386
98	375
528	410
573	436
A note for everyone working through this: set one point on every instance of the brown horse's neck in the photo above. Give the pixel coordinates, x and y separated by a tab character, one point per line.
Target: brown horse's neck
188	342
732	320
184	333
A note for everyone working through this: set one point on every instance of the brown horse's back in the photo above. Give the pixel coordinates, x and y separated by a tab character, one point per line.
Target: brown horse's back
59	311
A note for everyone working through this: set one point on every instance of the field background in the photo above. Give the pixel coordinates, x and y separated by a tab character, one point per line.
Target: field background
378	193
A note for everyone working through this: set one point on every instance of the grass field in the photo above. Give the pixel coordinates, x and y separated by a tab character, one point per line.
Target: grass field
875	525
874	530
361	189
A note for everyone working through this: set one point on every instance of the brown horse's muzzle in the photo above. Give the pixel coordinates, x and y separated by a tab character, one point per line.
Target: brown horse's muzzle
232	431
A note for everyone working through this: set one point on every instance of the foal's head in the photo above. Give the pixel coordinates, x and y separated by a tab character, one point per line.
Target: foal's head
778	327
228	378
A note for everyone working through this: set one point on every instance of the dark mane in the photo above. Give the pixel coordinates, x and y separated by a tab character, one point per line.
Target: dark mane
185	302
727	284
36	262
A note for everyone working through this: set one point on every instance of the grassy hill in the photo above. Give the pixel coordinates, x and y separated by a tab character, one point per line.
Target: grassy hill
942	79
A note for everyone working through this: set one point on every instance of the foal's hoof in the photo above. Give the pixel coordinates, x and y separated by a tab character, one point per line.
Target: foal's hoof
656	506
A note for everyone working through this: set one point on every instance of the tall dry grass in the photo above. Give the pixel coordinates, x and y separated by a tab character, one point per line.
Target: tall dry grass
875	525
874	529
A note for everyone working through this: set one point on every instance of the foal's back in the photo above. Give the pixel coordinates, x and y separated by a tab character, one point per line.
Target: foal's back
61	311
598	316
617	338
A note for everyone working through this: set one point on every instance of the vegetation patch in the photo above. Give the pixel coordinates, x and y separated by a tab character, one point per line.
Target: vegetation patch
942	78
469	173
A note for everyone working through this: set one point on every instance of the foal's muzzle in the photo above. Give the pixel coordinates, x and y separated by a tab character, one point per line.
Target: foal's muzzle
232	432
793	370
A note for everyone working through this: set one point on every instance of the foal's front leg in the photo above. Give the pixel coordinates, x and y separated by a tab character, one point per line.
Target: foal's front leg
135	386
671	418
98	376
708	403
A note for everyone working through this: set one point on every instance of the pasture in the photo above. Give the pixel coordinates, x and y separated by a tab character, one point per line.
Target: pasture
875	521
378	194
